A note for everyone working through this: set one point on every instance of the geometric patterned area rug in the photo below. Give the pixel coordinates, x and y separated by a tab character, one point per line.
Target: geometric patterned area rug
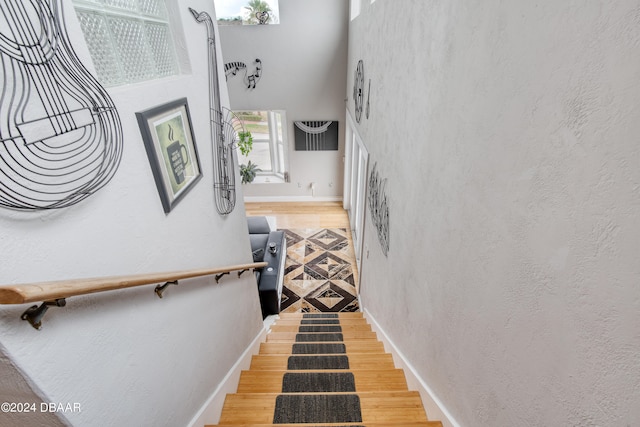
320	272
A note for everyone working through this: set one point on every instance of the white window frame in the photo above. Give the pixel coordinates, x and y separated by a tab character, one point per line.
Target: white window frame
354	9
278	143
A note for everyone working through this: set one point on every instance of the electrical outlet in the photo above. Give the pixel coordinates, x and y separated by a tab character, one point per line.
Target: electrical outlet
299	185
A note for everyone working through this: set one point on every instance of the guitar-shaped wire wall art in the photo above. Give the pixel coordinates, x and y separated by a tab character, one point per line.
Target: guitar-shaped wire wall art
60	133
223	133
232	68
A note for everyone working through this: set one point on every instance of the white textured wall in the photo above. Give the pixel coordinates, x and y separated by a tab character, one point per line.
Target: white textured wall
510	136
128	357
304	72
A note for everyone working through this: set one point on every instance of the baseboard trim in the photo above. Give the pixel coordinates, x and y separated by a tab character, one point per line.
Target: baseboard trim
275	199
434	406
211	410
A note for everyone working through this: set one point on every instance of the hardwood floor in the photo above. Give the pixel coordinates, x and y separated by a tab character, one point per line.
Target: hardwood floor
301	214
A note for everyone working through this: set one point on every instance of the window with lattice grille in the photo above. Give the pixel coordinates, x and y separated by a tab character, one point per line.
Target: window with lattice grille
129	40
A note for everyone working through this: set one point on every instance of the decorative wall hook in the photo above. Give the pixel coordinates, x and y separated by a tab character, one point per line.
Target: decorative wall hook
34	314
161	288
220	276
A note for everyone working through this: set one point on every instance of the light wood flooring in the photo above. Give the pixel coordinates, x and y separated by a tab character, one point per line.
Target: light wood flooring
302	214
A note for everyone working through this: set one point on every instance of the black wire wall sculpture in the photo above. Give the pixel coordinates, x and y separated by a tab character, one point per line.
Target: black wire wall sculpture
60	133
358	90
379	207
262	17
367	109
232	68
223	132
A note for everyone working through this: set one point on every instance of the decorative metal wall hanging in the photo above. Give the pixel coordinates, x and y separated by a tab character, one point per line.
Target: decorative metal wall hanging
232	68
262	17
379	207
223	133
60	133
368	108
358	89
316	135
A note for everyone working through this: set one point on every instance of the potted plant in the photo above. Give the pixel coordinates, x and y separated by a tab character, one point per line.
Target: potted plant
245	142
245	145
248	172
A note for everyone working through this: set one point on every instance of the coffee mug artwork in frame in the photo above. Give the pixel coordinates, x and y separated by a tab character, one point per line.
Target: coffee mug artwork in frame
177	159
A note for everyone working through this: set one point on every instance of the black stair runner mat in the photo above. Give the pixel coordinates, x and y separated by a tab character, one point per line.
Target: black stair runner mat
297	363
320	322
318	382
319	349
320	316
318	337
316	328
317	408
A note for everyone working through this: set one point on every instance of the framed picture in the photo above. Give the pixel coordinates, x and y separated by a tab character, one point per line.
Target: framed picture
168	138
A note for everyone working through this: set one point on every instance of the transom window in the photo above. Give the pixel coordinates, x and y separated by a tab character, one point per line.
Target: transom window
129	40
247	12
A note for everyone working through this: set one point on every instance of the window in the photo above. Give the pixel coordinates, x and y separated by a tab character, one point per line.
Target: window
354	9
247	12
129	40
269	153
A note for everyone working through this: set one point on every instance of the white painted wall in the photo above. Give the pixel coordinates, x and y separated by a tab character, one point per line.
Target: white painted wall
128	357
304	72
508	132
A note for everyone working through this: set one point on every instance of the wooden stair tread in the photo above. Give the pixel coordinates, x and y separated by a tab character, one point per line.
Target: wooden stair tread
369	424
347	335
383	396
389	406
343	321
253	381
359	346
343	327
356	361
341	314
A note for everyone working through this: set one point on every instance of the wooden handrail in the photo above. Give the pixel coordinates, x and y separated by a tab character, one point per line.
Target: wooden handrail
48	291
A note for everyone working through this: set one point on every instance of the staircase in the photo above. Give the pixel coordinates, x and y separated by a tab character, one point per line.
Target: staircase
323	370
